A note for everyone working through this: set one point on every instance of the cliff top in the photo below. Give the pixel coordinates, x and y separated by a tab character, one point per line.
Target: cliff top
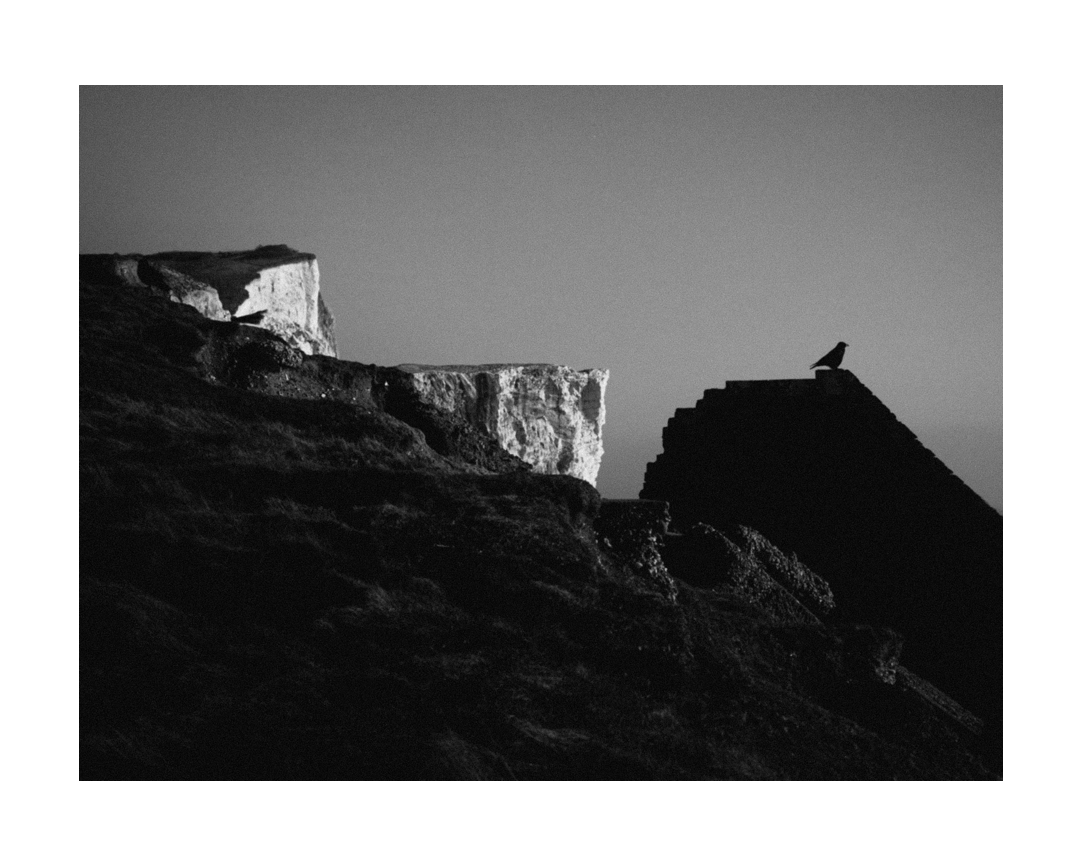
261	256
469	369
227	272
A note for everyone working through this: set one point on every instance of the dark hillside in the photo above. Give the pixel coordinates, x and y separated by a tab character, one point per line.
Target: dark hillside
290	570
824	469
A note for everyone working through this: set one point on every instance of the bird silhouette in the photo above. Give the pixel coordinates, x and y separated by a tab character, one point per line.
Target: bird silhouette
833	358
253	318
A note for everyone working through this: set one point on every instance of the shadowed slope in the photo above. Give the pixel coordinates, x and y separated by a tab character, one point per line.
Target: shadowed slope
282	579
821	467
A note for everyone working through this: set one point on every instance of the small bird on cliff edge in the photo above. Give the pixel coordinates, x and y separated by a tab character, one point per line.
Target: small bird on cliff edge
833	358
253	318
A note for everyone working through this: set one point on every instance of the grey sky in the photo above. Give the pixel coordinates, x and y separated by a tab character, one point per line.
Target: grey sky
679	237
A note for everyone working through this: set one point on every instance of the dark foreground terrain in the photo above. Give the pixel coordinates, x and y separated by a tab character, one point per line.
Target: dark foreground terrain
290	570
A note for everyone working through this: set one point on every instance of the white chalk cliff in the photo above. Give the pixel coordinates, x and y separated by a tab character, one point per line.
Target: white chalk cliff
290	294
278	281
549	416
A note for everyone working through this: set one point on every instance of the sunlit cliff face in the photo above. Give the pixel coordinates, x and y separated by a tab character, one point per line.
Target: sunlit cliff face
552	417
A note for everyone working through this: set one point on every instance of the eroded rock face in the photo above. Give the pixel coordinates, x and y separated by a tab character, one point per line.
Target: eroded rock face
549	416
633	532
752	567
294	309
277	281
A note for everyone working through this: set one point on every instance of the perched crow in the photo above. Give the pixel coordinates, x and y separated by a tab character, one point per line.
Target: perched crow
833	358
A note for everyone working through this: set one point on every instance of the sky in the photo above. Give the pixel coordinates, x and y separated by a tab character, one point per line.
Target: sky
678	237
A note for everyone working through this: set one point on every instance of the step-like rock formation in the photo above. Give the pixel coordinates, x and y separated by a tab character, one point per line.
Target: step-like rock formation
551	417
277	281
822	468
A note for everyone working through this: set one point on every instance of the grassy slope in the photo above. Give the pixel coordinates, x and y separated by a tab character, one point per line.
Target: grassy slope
279	587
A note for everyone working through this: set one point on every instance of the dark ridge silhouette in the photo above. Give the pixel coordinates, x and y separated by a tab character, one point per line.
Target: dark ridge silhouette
822	468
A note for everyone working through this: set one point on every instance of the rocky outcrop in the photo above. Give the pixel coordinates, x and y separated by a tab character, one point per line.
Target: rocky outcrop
549	416
821	467
848	663
277	281
544	419
632	533
753	567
